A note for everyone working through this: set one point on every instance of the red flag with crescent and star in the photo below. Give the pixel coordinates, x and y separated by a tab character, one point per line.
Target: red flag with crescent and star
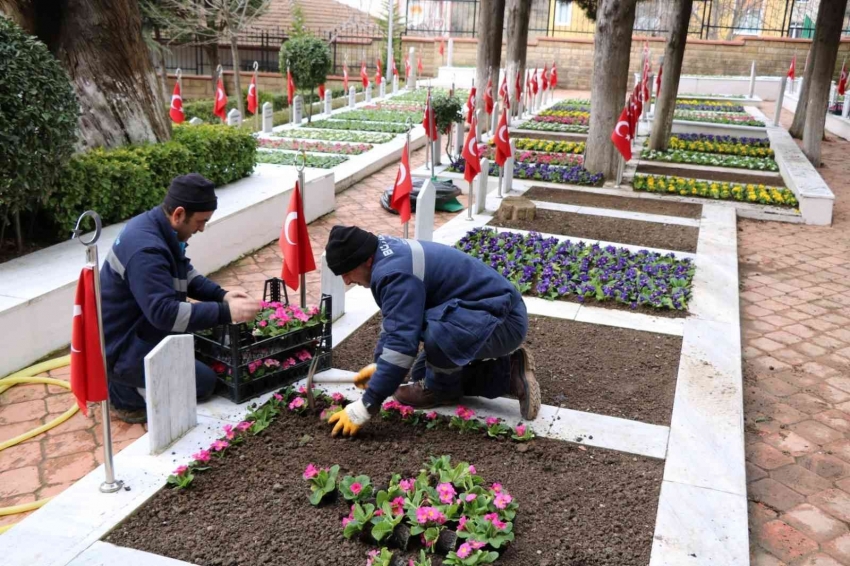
290	87
393	67
470	105
322	92
503	140
428	120
842	81
470	155
252	96
364	76
295	242
553	76
792	67
518	86
545	77
88	374
621	137
503	89
176	111
220	107
407	66
419	64
633	117
378	76
400	200
658	80
442	48
489	103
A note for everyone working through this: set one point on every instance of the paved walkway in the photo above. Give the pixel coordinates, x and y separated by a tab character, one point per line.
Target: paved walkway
795	304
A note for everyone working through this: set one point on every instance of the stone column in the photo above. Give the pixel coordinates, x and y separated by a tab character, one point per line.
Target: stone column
234	118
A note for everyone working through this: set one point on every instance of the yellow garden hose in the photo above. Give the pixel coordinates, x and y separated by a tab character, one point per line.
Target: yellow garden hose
28	375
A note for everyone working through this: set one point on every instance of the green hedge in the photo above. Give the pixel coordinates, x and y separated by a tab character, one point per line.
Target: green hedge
121	183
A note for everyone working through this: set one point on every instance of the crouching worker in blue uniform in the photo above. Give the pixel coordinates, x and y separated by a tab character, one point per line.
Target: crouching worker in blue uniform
145	283
471	320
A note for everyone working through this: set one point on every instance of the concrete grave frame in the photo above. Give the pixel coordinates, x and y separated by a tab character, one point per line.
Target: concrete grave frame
702	510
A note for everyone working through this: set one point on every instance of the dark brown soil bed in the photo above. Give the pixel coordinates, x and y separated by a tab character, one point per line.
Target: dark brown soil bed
552	136
587	367
620	230
578	506
731	175
649	206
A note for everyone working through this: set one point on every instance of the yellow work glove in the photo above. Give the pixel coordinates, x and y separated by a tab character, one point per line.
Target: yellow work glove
361	380
349	420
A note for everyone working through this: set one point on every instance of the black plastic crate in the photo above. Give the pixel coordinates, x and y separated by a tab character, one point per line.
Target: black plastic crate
233	351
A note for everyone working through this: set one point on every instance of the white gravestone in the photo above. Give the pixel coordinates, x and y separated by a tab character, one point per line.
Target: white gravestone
411	78
329	105
196	121
481	186
382	89
334	286
298	106
268	118
438	149
459	138
494	120
170	391
424	220
509	168
480	122
395	85
845	110
833	93
352	97
369	93
752	79
234	118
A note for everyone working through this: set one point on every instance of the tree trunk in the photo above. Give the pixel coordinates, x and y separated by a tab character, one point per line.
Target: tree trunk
237	79
825	52
799	123
491	19
212	54
674	54
518	15
612	46
163	72
100	44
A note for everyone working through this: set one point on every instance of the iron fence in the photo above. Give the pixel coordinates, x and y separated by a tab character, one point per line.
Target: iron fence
260	45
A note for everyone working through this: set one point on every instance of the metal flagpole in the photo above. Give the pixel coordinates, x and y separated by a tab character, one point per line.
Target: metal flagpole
257	95
435	147
180	83
409	125
111	485
291	106
620	167
501	168
471	200
303	187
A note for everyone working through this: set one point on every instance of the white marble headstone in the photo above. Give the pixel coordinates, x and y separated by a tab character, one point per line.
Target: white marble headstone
752	79
329	105
481	187
438	149
298	107
234	118
459	138
369	93
170	391
509	168
494	119
268	117
196	121
395	85
382	89
352	97
411	78
424	221
334	286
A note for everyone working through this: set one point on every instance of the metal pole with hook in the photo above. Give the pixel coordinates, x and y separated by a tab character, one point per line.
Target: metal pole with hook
303	185
409	124
179	74
219	73
111	485
258	109
434	143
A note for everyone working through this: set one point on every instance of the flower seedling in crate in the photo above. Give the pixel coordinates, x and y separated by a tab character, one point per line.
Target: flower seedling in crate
322	482
276	319
356	488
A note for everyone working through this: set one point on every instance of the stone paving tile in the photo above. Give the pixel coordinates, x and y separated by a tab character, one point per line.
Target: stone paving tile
794	311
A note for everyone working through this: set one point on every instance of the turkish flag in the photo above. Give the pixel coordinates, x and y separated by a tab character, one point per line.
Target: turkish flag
290	87
489	103
295	242
395	71
507	100
636	98
470	155
364	76
503	89
428	120
345	79
220	107
378	73
400	200
842	82
407	66
322	92
88	374
792	67
252	96
176	111
553	77
658	80
621	137
470	106
632	117
503	140
442	48
545	78
419	64
535	84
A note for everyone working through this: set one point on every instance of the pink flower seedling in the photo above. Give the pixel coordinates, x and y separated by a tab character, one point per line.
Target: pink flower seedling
326	414
472	470
181	477
311	472
496	488
397	505
447	492
407	485
522	433
203	456
502	500
244	425
219	445
461	523
470	497
180	470
492	421
278	397
496	428
426	515
464	551
494	519
298	404
356	488
463	420
228	432
431	416
322	482
464	412
304	355
338	397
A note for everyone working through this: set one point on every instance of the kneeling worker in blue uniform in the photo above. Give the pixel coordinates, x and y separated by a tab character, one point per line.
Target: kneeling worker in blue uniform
470	319
145	283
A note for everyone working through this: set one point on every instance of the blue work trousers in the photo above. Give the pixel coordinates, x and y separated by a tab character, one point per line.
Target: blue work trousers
127	398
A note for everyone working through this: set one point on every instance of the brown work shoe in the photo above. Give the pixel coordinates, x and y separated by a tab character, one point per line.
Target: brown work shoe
524	387
420	397
130	416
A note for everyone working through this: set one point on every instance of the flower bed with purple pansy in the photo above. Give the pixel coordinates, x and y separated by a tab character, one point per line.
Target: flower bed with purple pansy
553	269
316	147
575	175
536	157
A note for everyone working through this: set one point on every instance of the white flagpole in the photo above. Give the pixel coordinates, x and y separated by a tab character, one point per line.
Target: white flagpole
303	187
257	95
405	233
111	485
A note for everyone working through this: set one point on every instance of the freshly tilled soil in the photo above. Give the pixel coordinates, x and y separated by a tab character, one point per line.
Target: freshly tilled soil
614	201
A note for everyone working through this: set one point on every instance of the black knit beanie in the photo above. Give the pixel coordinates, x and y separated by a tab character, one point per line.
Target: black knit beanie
348	247
194	192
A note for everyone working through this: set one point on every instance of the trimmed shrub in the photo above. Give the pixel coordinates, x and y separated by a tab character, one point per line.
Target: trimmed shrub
121	183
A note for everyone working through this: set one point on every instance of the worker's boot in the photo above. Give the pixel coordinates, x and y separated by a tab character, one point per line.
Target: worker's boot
130	416
524	387
420	397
